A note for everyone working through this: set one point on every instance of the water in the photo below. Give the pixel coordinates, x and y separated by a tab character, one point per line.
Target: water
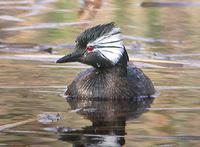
31	84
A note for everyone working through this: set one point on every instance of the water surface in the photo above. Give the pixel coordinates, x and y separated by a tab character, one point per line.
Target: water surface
31	84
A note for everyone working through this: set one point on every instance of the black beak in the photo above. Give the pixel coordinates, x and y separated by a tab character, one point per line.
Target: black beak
73	57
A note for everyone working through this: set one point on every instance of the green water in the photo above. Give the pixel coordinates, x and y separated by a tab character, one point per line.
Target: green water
31	86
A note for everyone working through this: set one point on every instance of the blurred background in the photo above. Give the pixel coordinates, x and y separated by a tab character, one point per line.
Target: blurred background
162	37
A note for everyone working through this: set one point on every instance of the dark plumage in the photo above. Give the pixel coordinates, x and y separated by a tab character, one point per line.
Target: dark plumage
92	34
111	77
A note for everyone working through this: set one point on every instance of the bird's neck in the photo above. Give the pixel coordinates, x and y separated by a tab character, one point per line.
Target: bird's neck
120	69
123	61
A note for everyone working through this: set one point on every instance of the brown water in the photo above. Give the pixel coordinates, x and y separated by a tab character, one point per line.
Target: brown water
31	84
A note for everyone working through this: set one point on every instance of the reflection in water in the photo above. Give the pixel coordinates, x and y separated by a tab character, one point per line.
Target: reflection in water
88	9
24	47
167	33
108	121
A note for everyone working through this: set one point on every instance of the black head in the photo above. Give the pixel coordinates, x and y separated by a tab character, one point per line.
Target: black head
100	46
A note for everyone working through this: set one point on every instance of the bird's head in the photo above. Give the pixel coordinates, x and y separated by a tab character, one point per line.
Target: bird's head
100	46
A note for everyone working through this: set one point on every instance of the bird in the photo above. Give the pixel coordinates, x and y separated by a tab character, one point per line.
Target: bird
111	76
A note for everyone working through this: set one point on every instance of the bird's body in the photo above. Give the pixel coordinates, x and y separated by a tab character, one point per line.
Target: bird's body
112	83
111	77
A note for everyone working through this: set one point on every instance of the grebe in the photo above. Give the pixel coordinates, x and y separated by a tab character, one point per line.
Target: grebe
110	77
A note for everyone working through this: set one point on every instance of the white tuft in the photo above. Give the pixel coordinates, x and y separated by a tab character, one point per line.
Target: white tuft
110	45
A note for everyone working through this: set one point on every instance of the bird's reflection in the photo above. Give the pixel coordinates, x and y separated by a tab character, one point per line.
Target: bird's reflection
108	121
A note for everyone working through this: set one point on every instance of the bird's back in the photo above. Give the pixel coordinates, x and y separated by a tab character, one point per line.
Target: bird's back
112	83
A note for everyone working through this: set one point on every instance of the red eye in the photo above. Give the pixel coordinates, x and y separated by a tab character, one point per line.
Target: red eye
90	48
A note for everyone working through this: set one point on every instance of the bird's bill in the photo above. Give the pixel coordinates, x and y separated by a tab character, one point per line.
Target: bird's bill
73	57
